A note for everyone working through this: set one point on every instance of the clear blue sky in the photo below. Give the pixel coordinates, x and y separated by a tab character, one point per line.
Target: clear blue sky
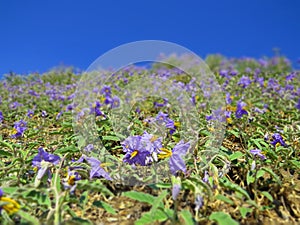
38	35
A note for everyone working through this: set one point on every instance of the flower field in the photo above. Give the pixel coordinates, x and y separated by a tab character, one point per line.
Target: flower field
152	146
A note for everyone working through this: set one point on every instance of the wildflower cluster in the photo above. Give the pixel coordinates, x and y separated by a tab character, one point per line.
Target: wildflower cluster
147	149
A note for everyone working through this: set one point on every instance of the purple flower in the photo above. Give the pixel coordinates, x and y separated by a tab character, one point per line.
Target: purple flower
106	90
257	152
152	143
59	115
297	105
218	115
240	111
137	151
260	81
278	139
233	72
157	104
115	102
43	161
44	113
15	105
19	128
70	182
248	70
170	124
94	109
224	73
263	63
97	170
30	113
206	176
162	117
198	202
290	77
244	81
209	117
176	162
33	93
175	191
70	107
89	147
273	84
1	117
228	98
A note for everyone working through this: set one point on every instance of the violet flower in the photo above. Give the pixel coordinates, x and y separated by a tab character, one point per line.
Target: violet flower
257	152
278	139
1	117
176	162
19	128
43	161
137	151
175	191
240	111
97	171
70	182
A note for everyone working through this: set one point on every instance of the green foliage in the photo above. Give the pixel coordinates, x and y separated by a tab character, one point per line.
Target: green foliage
231	179
222	218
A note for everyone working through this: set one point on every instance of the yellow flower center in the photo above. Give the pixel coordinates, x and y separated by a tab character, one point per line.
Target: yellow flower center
133	154
231	108
229	120
14	131
71	180
166	153
177	124
102	99
11	207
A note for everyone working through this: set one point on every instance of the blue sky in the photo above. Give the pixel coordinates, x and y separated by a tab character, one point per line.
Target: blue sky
36	36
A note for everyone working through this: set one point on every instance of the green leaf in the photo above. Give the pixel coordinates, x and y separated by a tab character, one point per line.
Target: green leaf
148	218
158	201
5	153
110	138
250	178
274	175
139	196
235	155
71	148
260	173
95	186
28	217
161	185
187	217
268	195
235	133
9	190
5	144
39	197
226	183
105	206
295	163
222	218
256	142
224	199
78	220
244	211
67	124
